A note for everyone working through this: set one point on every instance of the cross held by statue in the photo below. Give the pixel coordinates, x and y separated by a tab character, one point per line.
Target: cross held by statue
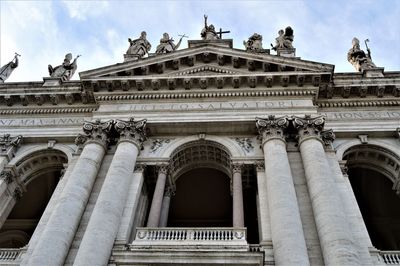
222	32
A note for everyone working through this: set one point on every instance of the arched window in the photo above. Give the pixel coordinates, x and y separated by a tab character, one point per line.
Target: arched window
373	171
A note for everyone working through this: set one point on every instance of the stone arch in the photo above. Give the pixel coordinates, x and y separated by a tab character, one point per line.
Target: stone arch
200	153
373	174
13	238
35	177
229	145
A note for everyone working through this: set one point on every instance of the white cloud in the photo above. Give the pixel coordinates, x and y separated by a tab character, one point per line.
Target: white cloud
82	10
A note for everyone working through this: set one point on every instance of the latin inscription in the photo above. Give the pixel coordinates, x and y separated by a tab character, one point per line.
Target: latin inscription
362	115
41	122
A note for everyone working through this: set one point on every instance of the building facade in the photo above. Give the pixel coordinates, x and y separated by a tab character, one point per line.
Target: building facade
208	155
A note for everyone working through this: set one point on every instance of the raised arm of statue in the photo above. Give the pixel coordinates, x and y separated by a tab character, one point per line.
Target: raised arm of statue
205	21
6	70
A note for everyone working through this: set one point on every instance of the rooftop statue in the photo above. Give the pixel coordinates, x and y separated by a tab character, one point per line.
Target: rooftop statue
167	45
7	69
254	43
358	58
66	70
208	32
139	47
284	40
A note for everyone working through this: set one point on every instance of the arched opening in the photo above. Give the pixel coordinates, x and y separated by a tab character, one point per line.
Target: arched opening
202	199
372	171
37	178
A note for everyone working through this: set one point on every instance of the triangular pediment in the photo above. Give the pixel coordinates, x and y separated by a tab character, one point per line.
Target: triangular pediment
204	61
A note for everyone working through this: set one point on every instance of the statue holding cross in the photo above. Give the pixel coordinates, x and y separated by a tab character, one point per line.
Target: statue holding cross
209	33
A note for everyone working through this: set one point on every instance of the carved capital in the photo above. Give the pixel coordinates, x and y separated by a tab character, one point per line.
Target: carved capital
96	131
163	168
308	126
140	167
6	142
9	174
17	194
271	127
134	131
328	136
260	165
169	192
237	168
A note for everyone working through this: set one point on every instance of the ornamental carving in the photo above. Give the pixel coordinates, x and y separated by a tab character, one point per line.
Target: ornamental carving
158	143
163	168
95	131
245	143
237	168
6	141
272	127
260	165
140	167
17	194
7	175
328	136
132	130
309	126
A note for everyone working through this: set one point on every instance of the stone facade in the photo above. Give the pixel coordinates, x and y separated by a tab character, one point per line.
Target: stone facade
279	133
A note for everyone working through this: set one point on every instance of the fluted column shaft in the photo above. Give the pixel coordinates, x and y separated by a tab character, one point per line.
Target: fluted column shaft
286	226
55	241
335	237
165	208
237	192
156	203
107	213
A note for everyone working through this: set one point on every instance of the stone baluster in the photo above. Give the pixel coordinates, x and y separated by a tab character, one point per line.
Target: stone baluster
107	213
335	237
286	226
165	207
55	241
237	191
156	203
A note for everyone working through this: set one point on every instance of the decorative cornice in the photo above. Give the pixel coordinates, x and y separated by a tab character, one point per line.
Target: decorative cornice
96	131
272	128
134	131
59	110
6	142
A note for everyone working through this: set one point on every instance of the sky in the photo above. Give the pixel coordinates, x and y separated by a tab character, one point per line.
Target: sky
43	31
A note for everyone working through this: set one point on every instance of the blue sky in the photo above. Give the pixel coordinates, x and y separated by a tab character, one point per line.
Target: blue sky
44	31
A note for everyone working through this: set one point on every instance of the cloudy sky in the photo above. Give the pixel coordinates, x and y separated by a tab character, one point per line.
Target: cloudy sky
44	31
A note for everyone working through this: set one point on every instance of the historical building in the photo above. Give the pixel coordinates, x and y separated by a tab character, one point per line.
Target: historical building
208	155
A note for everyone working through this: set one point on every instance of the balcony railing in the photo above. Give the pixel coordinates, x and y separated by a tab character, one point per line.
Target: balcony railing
390	257
9	254
189	237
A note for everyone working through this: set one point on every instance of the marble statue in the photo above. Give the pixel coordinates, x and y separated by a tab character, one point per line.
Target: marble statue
66	70
284	40
358	58
254	43
208	32
139	47
167	44
7	69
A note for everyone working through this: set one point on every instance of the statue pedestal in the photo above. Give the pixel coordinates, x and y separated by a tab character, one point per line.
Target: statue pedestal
49	81
228	43
131	57
285	52
376	72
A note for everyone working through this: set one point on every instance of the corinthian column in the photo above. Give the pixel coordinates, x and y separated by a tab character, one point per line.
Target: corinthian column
237	192
286	227
335	237
55	241
107	213
156	203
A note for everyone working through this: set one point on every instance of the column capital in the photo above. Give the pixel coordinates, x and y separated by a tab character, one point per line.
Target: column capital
96	131
140	167
7	142
163	168
312	127
260	165
17	194
132	131
9	174
237	168
272	127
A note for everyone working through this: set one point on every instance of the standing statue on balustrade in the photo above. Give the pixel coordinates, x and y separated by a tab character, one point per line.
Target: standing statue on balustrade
6	70
284	40
358	58
208	32
66	70
254	43
167	44
140	46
